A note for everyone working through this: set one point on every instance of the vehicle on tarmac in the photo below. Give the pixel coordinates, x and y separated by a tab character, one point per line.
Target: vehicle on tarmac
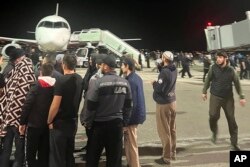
82	55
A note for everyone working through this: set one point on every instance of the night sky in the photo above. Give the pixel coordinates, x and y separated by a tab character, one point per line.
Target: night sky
165	25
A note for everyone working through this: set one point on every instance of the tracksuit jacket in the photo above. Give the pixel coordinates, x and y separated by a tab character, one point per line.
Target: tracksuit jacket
37	104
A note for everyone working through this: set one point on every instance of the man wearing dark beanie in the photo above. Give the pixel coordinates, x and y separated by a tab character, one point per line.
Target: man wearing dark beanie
16	53
19	76
108	110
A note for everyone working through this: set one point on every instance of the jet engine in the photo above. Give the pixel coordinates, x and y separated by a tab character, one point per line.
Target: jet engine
7	48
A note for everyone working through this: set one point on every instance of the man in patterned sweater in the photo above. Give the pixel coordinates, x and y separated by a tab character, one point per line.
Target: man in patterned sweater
12	97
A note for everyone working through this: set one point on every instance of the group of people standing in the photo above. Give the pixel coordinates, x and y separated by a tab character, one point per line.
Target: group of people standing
38	113
43	111
113	108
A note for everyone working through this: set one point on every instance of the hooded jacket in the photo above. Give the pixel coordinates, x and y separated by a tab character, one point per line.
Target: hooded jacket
36	107
164	88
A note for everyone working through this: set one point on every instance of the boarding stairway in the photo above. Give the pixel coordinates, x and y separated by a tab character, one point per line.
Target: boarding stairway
99	37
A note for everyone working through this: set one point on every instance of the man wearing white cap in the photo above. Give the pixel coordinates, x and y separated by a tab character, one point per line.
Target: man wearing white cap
165	98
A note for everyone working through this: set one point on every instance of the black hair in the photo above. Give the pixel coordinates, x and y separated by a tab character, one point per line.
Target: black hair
222	53
50	59
130	62
47	69
70	61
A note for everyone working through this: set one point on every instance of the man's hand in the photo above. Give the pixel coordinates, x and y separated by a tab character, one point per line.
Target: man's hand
243	102
22	129
87	126
125	129
1	60
51	126
204	97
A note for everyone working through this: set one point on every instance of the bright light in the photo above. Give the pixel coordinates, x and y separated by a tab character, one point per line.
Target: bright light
209	23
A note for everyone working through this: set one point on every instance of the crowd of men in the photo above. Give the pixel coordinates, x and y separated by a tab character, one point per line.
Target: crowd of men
39	108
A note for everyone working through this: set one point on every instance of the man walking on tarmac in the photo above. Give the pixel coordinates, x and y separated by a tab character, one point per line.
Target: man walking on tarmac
165	98
221	76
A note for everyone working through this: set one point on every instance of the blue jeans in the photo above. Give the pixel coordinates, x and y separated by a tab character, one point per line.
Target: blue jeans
12	133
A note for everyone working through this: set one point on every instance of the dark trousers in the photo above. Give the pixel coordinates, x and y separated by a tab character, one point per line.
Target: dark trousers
12	133
214	114
37	145
106	135
62	138
243	73
89	135
205	70
185	69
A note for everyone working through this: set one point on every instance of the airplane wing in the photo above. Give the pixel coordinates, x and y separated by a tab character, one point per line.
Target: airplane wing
6	42
132	39
18	40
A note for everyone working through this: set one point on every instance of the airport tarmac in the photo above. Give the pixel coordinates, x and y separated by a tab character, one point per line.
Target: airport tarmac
194	147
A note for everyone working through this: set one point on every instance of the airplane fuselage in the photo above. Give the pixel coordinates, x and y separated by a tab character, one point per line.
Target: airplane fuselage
52	34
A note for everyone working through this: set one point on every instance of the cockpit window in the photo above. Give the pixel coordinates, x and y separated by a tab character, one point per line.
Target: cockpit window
49	24
57	24
65	25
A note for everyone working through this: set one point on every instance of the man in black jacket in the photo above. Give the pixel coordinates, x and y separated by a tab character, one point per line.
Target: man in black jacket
34	115
108	110
165	98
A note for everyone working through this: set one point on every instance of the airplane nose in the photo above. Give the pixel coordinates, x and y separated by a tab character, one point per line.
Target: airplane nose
53	39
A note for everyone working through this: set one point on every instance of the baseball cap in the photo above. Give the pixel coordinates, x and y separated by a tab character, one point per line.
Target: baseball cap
110	61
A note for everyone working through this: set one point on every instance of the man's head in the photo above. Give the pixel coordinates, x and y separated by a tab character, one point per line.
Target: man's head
16	53
99	60
167	56
128	65
108	64
69	62
47	69
221	58
49	59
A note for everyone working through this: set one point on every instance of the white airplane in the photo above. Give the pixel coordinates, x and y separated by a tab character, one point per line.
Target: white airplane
52	34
